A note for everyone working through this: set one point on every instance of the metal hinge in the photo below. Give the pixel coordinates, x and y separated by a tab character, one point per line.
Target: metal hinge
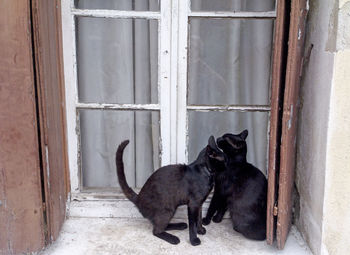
44	207
275	210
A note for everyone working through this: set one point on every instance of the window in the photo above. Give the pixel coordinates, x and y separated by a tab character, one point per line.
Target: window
166	75
155	72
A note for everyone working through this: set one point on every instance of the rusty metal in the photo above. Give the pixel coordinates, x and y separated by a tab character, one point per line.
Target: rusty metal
275	210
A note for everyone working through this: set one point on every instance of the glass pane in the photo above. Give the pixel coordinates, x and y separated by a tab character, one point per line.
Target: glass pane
204	124
229	61
233	5
102	132
122	5
117	60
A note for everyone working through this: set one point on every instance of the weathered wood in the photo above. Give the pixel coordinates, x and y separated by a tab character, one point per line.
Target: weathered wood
227	108
116	14
234	14
125	107
21	211
289	119
278	70
49	73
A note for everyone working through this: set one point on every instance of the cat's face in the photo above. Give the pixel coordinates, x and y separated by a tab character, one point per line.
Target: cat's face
216	157
233	144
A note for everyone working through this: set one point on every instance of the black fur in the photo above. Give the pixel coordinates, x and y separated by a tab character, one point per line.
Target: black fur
241	188
174	185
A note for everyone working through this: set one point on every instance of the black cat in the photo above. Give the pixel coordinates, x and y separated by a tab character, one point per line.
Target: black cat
241	188
174	185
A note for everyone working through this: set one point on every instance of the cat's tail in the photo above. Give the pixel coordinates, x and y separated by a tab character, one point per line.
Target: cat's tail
129	193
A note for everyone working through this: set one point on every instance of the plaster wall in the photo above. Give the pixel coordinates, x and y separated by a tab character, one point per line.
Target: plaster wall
336	219
323	149
313	120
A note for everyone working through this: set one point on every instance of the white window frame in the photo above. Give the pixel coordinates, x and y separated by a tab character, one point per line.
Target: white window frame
69	13
173	19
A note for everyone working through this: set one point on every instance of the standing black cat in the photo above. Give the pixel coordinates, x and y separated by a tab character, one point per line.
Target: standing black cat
174	185
241	188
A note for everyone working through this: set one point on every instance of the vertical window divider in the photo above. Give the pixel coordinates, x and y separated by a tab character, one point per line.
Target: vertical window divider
182	122
174	78
164	69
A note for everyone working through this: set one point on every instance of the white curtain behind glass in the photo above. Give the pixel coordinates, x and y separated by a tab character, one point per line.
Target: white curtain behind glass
117	63
229	63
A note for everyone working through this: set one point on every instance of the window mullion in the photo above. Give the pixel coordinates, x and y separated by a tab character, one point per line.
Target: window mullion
164	32
182	127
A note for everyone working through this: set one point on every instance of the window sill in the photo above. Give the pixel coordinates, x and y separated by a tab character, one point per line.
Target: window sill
134	236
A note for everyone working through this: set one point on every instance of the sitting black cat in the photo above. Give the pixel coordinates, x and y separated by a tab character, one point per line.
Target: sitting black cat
241	188
174	185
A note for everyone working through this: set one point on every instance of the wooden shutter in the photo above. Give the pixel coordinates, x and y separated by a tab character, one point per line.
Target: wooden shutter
46	18
282	161
277	86
289	119
21	209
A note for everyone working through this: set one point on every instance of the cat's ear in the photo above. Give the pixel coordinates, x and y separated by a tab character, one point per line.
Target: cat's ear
212	153
244	134
211	142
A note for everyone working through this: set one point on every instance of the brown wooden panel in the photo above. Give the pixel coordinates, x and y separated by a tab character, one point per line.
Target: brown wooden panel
21	212
49	71
289	120
278	70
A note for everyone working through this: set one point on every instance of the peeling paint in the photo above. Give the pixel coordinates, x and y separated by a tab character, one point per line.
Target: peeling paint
290	118
47	165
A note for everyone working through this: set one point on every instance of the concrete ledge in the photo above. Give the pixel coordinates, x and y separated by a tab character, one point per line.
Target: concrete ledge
134	236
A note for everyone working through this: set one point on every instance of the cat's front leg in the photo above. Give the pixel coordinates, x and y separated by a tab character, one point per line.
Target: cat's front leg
212	208
193	221
219	215
200	229
221	209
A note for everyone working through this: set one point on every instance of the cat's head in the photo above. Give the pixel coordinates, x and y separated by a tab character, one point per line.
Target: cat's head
215	157
234	145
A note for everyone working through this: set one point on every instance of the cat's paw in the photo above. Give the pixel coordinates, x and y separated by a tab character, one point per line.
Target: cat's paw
217	218
195	241
201	231
206	221
174	240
